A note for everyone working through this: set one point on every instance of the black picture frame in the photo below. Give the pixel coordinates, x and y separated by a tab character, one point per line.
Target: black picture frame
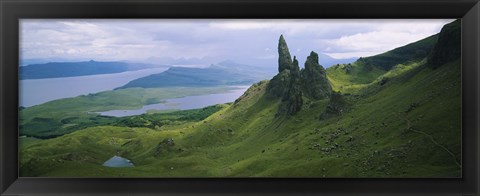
13	10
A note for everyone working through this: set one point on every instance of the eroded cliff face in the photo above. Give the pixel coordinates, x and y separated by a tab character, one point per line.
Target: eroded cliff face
448	46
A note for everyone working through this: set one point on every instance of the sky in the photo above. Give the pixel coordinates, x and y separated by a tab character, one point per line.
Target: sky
208	41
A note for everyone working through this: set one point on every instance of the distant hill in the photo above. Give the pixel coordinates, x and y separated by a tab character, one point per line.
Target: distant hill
410	52
328	61
70	69
368	69
224	73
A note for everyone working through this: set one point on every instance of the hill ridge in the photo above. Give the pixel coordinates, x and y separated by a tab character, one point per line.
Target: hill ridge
72	69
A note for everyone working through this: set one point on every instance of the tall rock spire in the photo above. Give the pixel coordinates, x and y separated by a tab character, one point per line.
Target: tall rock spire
286	84
315	82
284	58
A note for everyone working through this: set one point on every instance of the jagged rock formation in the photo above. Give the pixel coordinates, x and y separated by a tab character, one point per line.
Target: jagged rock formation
292	99
315	79
291	84
279	84
448	46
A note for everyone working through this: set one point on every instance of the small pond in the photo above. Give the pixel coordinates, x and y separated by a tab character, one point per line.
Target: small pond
117	161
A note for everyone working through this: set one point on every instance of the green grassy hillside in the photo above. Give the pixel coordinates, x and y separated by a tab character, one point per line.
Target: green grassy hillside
392	130
350	77
63	116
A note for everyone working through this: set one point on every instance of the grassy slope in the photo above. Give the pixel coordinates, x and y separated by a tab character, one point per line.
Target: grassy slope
407	127
366	70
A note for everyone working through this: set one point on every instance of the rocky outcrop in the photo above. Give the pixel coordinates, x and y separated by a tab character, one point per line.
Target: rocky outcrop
314	77
279	84
448	46
164	146
286	84
291	84
336	106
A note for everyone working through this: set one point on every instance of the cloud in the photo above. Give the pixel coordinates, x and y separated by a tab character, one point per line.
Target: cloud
382	38
375	41
238	40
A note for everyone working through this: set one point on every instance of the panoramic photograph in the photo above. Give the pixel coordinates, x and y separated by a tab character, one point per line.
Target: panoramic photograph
281	98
